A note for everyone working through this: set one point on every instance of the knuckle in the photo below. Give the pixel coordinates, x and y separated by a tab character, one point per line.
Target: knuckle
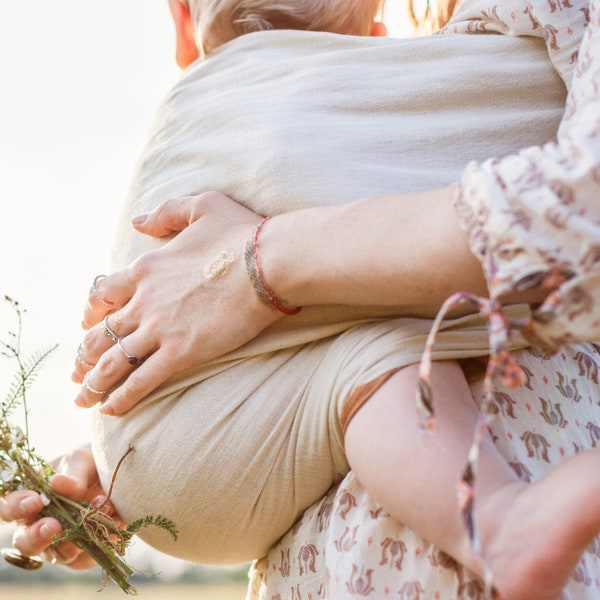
208	199
161	209
175	348
165	208
142	266
94	346
153	326
92	343
107	366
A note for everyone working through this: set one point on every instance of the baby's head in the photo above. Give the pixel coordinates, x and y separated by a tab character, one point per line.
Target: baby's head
219	21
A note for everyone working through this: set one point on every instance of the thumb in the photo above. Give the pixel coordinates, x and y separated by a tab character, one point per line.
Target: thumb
75	474
172	216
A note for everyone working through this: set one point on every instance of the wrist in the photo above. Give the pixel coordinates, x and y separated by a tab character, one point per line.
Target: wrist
296	259
256	273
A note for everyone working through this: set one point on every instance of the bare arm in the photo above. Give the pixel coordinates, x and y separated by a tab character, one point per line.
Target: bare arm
404	250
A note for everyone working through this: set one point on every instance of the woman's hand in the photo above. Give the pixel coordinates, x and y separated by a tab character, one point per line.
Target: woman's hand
174	308
76	478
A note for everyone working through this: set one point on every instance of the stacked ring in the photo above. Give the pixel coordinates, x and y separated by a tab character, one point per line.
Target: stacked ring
132	360
16	559
91	389
108	332
95	290
57	558
82	360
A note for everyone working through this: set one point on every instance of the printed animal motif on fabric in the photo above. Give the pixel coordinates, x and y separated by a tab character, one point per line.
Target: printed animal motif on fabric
368	551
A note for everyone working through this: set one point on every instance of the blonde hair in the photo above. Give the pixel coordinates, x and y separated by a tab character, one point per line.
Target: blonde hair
218	21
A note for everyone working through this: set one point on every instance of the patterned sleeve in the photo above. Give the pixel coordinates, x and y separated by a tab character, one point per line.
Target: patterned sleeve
560	23
533	218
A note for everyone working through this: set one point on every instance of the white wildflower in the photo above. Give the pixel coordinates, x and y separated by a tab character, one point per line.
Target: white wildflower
8	471
17	437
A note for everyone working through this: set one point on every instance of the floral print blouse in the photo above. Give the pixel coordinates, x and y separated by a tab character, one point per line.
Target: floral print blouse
533	218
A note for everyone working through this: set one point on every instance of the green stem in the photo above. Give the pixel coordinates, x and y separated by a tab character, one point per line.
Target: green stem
71	515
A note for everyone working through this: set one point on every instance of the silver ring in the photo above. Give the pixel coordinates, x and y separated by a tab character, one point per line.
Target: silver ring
82	360
16	559
56	558
108	332
132	360
96	293
89	388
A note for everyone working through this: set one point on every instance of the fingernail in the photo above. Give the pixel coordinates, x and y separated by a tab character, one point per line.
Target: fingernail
63	475
81	402
29	505
99	501
46	532
108	410
139	219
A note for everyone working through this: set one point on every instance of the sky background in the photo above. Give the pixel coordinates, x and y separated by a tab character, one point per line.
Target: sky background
79	82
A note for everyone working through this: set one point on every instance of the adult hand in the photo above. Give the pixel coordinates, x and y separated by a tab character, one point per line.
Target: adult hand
174	308
76	478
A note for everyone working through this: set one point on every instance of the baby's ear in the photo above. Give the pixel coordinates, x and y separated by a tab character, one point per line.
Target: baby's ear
186	51
378	29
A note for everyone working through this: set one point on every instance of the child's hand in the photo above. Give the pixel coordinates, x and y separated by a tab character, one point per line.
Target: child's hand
172	309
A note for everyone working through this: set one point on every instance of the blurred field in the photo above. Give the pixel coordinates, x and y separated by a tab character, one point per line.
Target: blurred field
226	591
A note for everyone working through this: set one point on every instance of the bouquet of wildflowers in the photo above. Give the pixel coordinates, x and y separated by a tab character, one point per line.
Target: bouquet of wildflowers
84	525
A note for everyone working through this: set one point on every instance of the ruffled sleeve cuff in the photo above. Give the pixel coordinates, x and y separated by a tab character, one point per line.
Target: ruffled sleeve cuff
533	218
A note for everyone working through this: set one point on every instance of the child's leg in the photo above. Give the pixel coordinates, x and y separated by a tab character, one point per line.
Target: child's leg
532	535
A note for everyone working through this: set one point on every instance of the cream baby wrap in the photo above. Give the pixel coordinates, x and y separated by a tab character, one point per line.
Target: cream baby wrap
233	452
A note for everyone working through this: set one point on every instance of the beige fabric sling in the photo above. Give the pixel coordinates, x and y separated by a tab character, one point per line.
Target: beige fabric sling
233	452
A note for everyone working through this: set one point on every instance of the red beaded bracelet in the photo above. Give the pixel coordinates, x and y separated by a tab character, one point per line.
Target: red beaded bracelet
256	275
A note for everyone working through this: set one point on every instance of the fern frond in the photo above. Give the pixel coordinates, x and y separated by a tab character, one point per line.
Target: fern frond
152	521
86	526
27	374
